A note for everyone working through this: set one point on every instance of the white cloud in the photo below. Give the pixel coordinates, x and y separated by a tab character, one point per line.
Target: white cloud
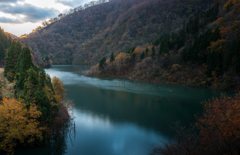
22	16
19	29
72	3
29	12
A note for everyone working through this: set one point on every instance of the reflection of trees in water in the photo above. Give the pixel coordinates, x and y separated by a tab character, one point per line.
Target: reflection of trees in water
60	135
79	69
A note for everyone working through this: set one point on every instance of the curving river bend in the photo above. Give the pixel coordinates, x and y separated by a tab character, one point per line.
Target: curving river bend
114	116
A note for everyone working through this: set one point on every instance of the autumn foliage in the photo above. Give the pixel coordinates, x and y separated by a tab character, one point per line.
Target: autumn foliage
58	88
220	125
18	124
216	132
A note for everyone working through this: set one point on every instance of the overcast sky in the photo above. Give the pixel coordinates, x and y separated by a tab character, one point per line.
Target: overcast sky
22	16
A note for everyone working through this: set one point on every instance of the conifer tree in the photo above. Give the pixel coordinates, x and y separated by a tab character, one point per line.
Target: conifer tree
142	56
102	62
2	51
227	60
146	52
153	52
236	54
17	66
216	35
11	60
25	61
112	58
46	58
159	51
33	92
4	39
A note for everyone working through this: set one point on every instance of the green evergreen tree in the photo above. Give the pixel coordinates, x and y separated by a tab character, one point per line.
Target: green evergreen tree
11	60
160	51
17	66
112	58
4	39
216	35
46	58
153	52
33	92
2	52
210	64
142	56
102	62
133	57
25	64
146	53
236	55
227	60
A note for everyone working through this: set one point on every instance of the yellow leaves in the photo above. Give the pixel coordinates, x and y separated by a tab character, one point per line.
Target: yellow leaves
230	2
216	46
58	87
18	123
106	30
10	74
121	56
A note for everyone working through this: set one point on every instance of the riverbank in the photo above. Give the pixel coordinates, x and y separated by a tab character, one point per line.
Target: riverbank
183	75
101	115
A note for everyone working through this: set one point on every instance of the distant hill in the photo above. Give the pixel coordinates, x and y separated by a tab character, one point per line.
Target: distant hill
87	34
11	35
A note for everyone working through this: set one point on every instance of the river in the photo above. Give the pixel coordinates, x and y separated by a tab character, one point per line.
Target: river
115	116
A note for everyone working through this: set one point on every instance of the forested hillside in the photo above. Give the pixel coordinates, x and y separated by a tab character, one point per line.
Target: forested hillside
96	30
203	53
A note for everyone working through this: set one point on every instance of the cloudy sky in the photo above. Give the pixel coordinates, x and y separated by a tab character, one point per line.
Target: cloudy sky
22	16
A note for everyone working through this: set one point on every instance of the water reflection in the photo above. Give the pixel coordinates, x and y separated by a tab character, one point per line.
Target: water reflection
114	116
99	135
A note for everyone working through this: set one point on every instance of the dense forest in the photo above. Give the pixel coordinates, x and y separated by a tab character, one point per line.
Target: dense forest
189	42
204	52
88	33
33	107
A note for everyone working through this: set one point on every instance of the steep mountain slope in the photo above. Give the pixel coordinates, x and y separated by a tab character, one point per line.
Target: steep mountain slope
85	36
204	53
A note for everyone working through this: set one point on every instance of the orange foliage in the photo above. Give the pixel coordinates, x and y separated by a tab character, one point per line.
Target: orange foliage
17	123
138	52
122	56
221	21
220	124
224	31
229	3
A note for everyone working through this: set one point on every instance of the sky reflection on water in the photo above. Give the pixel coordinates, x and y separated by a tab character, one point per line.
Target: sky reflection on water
115	116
